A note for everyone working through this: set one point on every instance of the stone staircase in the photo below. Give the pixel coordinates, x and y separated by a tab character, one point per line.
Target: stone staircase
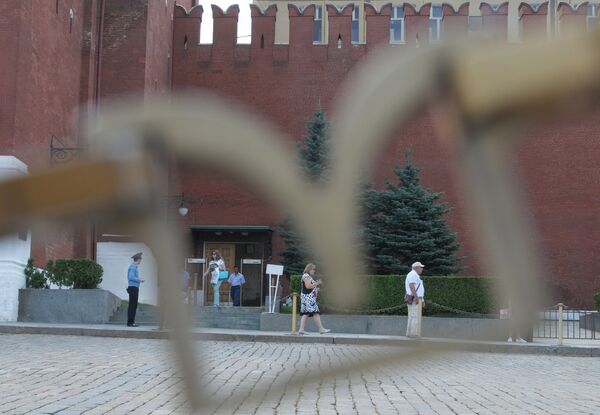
146	315
243	318
225	317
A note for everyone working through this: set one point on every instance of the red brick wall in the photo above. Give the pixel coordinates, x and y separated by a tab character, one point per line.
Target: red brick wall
572	19
455	23
10	23
559	165
533	23
286	83
41	72
89	54
123	69
136	48
159	41
417	24
43	95
306	76
495	21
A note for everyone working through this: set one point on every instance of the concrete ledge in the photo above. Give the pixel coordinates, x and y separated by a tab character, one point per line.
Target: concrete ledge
67	306
279	337
438	327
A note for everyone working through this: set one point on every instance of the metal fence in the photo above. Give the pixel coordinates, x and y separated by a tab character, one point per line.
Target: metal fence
568	324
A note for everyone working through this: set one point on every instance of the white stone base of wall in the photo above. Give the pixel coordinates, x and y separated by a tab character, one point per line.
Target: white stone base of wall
115	258
14	252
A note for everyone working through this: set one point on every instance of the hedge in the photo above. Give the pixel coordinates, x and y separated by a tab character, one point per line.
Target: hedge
469	294
34	277
78	273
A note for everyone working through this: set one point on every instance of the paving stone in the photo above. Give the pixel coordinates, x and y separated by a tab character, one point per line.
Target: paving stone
71	375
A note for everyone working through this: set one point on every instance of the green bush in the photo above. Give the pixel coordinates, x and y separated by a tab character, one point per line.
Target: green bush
468	294
597	300
35	277
76	273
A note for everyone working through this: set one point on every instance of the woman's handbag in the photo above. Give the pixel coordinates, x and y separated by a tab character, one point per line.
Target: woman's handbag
223	275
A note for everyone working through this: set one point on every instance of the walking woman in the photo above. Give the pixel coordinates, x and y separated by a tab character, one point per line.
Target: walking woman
308	300
215	266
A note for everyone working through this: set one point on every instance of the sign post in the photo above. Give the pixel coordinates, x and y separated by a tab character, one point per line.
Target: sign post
274	272
194	275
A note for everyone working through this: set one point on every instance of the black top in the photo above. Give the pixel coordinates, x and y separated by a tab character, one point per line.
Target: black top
304	289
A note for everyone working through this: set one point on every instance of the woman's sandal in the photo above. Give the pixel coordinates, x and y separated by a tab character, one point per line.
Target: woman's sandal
324	331
300	333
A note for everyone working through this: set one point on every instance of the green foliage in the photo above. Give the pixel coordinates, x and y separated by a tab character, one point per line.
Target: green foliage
313	157
405	224
597	300
78	273
313	154
469	294
35	277
294	258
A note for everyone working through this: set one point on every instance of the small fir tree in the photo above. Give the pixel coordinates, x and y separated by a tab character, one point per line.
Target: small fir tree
313	156
313	153
405	224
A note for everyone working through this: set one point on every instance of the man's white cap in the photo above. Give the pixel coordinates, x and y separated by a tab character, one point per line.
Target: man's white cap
417	264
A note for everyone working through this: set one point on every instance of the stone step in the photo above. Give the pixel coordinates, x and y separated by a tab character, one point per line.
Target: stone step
226	317
227	310
227	322
145	314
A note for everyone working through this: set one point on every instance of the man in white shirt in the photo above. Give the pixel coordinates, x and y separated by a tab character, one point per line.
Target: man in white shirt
414	286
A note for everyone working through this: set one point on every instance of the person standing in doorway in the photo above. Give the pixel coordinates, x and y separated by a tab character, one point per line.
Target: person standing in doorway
236	280
215	266
414	287
133	288
185	286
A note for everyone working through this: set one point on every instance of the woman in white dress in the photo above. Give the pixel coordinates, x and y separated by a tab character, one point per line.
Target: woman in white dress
308	300
215	266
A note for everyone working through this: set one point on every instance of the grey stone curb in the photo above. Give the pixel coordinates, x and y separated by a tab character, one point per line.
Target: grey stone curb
453	345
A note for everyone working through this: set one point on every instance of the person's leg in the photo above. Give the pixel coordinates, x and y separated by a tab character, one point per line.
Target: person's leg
216	293
411	323
235	294
303	323
419	316
130	314
133	302
322	329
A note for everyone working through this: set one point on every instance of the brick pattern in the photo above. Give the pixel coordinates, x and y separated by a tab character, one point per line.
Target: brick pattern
49	66
96	376
41	75
285	83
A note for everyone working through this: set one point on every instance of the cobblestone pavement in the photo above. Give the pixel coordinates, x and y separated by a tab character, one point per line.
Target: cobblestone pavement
92	375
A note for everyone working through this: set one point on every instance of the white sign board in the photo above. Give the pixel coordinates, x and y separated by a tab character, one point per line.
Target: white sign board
251	261
274	269
196	260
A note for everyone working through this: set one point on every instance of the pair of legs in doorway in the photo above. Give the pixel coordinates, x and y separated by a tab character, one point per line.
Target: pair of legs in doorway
235	294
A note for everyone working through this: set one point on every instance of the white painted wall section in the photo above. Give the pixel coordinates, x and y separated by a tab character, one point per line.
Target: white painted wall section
115	258
14	252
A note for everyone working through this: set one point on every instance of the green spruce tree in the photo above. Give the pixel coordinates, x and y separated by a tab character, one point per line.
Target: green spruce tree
313	153
405	224
313	156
